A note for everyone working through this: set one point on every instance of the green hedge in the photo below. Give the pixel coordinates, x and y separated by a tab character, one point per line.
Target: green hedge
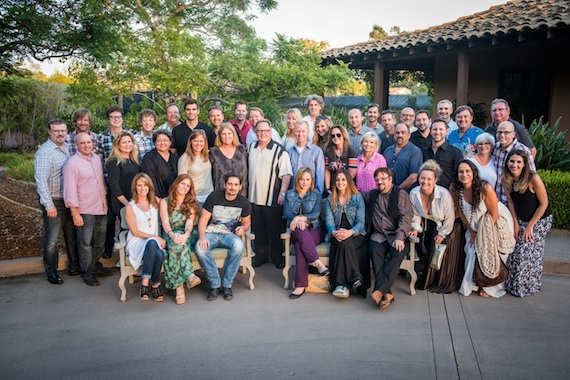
558	187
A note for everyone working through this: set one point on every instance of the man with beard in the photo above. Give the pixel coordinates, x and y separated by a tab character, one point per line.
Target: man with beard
421	137
404	158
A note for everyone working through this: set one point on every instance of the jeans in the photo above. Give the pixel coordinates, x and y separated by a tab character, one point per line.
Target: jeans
52	228
235	246
152	260
90	240
386	271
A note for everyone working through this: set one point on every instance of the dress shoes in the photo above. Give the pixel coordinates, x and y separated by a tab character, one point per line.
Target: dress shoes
227	292
213	294
294	296
73	272
101	271
54	279
91	281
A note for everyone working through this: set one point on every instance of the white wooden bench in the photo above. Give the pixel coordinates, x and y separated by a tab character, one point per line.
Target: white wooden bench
323	252
219	255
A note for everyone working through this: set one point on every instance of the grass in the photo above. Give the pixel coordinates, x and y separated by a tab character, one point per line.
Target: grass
20	165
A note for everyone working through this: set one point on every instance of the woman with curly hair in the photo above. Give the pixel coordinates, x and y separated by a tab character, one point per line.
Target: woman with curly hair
178	213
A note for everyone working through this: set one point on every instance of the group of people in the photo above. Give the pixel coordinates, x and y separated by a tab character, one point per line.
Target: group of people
190	187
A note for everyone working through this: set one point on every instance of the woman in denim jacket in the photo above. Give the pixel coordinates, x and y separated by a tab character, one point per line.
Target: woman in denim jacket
302	209
345	225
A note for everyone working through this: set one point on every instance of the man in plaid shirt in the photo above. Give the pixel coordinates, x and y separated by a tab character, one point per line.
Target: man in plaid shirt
82	119
143	138
49	160
506	141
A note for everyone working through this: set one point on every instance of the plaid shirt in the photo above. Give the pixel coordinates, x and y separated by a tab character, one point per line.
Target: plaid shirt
105	144
48	164
70	141
500	156
143	143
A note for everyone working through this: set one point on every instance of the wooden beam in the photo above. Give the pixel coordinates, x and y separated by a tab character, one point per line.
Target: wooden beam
462	78
380	83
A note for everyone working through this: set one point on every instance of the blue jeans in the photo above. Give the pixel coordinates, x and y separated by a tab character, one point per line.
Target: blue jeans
235	246
52	228
90	241
152	260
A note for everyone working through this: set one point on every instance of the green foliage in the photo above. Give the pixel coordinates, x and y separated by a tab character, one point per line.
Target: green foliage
558	188
551	147
20	166
479	116
30	105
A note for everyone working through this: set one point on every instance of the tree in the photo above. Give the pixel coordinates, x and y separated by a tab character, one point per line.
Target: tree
377	33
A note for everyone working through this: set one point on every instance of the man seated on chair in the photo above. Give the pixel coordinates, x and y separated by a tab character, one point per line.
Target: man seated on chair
226	216
388	222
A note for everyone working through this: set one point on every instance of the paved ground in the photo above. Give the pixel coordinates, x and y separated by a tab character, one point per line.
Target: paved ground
73	331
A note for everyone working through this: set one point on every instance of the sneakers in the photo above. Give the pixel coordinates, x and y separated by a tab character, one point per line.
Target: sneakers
341	291
193	281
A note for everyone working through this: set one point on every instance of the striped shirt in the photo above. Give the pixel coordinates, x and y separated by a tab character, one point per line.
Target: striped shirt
266	169
48	164
83	184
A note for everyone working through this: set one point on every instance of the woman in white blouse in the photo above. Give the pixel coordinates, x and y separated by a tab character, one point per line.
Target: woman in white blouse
434	218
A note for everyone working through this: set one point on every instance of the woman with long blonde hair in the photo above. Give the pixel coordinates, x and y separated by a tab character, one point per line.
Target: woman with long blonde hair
144	245
179	212
122	166
228	156
196	163
291	117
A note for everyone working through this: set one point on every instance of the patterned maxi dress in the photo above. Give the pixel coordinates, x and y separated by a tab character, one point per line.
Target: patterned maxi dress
178	262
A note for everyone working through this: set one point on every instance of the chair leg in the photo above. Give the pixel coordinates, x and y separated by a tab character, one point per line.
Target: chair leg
251	276
122	287
286	276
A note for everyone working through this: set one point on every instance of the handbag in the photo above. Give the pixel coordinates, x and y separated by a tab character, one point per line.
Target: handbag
437	256
483	281
318	284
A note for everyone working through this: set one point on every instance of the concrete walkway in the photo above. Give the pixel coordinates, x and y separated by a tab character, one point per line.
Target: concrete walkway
73	331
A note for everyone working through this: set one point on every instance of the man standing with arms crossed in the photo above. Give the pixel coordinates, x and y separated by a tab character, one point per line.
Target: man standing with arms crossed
49	160
84	192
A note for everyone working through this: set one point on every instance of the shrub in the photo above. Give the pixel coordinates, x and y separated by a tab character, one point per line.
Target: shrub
23	170
551	147
558	187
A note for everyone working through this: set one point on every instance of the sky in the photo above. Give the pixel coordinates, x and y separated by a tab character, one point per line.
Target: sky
347	22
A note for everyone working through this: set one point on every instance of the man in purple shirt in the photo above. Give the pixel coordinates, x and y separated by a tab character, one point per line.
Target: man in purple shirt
84	193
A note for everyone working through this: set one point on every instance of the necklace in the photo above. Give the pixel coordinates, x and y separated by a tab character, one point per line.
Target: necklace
148	216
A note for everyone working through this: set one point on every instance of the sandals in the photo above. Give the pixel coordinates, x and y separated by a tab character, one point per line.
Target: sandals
156	294
193	281
386	302
144	293
180	298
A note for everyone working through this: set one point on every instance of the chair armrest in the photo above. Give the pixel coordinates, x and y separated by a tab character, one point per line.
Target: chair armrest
414	239
286	235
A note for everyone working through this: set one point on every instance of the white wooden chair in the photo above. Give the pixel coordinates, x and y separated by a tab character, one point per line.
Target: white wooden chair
219	255
323	252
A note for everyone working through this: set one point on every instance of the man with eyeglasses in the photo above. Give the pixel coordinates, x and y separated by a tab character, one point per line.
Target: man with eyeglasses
269	176
172	118
357	130
372	116
388	222
181	133
49	161
500	111
407	116
103	149
507	141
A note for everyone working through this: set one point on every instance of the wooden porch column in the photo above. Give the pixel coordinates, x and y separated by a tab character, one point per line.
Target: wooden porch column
380	92
462	78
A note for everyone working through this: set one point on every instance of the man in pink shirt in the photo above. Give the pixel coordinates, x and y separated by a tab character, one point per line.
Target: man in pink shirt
84	193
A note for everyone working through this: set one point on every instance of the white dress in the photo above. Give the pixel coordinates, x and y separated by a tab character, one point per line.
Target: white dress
147	222
467	285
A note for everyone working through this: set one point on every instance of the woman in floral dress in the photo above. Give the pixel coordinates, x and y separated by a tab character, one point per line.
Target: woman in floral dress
178	212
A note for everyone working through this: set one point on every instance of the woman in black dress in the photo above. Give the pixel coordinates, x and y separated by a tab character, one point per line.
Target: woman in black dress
160	163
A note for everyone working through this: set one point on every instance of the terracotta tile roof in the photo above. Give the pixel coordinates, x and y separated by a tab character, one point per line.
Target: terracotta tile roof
510	18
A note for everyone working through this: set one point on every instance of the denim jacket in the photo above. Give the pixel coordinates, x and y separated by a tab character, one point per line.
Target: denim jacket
354	210
309	206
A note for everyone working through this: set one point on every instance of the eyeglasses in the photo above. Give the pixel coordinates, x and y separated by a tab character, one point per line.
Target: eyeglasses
321	117
261	131
337	135
504	132
115	117
382	178
498	109
484	143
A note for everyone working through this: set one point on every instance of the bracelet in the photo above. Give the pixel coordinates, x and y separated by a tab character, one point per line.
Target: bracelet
187	230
